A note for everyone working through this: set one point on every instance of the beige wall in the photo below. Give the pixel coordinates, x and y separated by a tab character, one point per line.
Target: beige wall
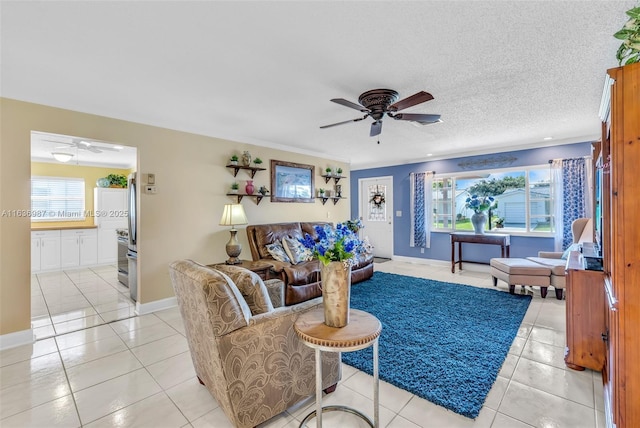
90	174
180	221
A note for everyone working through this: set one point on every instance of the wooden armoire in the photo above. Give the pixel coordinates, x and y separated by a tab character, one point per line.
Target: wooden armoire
620	163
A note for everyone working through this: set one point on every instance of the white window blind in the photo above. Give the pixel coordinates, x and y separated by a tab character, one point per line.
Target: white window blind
57	199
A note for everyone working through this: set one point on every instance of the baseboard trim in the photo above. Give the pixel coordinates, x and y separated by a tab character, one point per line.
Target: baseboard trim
19	338
156	305
421	261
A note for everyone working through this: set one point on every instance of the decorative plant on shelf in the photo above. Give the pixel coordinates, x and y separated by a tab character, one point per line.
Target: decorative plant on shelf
629	50
339	172
263	190
257	161
234	160
234	187
328	170
117	180
321	192
499	223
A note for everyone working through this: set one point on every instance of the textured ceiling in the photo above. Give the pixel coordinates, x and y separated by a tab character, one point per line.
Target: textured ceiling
504	74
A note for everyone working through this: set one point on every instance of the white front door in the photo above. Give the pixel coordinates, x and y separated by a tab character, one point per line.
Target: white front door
376	213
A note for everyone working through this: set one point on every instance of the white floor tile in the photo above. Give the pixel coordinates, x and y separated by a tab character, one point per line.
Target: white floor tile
173	370
193	399
93	372
58	413
119	370
92	351
161	349
155	411
107	397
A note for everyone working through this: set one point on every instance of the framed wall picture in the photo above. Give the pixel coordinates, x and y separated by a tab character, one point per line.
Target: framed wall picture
292	182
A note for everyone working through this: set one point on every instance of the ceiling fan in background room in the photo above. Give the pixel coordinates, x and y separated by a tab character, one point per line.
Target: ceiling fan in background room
84	145
377	103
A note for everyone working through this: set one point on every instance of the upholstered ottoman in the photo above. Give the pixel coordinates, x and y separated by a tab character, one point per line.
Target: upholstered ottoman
520	272
557	267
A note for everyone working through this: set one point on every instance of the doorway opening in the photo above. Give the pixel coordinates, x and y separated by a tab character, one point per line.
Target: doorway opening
81	211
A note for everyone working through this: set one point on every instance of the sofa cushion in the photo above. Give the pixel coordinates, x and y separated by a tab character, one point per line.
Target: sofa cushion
266	234
276	250
296	251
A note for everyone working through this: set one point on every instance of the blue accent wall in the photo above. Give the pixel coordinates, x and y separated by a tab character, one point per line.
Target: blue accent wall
521	246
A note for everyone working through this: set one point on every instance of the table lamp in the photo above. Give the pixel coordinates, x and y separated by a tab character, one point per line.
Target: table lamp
233	215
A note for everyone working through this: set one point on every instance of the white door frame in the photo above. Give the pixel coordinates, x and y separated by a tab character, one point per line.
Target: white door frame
389	202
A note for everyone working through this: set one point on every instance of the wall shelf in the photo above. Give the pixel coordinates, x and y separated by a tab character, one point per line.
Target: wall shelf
324	199
251	170
258	197
328	178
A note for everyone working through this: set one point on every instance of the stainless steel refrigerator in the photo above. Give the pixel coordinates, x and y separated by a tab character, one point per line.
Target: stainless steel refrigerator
132	250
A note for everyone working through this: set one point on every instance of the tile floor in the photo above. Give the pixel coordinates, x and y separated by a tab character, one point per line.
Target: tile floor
71	300
138	372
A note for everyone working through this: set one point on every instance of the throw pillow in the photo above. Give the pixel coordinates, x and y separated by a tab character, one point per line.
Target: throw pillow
296	251
277	252
572	247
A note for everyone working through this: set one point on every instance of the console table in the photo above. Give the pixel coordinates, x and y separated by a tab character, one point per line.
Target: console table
362	331
471	238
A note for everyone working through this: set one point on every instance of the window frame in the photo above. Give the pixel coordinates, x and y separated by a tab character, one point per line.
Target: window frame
454	176
44	215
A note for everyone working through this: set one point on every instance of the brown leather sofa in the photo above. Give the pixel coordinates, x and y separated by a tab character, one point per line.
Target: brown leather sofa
302	280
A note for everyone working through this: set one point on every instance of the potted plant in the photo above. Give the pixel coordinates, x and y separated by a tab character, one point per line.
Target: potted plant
321	192
234	187
257	161
233	160
499	223
338	172
629	50
117	180
328	171
263	190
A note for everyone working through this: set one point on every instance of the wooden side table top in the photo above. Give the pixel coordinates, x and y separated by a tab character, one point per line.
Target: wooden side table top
362	330
251	265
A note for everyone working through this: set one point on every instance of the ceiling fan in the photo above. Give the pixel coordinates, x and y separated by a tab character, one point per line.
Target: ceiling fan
377	103
84	145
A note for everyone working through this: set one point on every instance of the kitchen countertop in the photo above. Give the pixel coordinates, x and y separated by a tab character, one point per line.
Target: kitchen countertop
41	228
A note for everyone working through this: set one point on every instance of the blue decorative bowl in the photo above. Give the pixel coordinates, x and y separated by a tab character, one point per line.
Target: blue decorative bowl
102	182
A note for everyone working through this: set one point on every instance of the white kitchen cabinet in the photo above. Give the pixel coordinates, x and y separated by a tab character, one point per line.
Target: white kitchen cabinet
110	210
45	250
78	247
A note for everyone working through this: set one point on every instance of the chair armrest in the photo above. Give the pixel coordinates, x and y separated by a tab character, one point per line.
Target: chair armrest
550	254
275	288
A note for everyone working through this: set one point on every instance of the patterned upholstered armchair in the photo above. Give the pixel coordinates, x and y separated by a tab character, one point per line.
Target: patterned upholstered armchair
244	351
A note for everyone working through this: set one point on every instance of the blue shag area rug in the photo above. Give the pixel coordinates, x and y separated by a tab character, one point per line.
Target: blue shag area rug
441	341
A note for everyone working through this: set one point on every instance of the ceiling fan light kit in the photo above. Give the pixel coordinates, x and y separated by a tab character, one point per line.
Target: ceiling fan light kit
377	103
62	157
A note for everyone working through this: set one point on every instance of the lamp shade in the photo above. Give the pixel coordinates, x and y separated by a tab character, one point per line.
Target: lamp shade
62	157
233	214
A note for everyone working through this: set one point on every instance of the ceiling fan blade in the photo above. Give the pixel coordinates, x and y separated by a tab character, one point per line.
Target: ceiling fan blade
376	128
342	123
347	103
102	148
411	101
91	149
416	117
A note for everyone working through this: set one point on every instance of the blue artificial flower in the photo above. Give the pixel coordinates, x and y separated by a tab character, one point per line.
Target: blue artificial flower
335	244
